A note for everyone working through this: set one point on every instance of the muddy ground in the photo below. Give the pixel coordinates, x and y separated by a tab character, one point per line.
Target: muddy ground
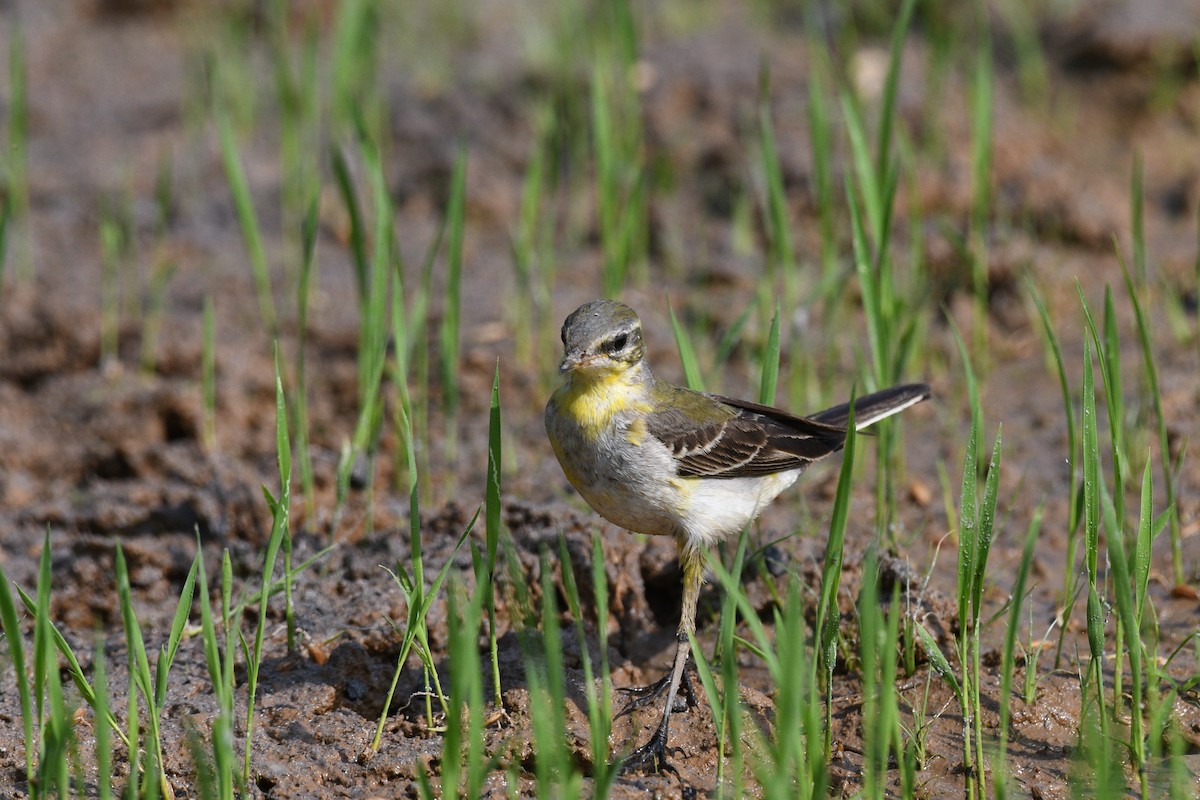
101	455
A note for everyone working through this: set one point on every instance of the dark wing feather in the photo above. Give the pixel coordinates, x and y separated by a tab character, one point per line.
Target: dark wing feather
739	439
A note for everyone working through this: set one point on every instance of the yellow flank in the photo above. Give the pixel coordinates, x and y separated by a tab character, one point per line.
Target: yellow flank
591	401
636	433
683	493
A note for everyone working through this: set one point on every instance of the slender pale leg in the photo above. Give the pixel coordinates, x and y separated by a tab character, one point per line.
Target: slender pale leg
653	754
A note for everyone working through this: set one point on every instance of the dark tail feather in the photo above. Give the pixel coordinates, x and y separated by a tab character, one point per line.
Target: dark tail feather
874	407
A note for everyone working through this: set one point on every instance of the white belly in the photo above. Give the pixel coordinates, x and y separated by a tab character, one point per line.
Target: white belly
722	507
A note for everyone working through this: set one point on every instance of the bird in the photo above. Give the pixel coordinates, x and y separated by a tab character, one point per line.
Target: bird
663	460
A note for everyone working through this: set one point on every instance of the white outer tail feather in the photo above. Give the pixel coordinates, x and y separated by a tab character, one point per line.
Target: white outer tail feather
871	419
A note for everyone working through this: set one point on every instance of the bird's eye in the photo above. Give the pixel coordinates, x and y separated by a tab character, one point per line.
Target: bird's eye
617	343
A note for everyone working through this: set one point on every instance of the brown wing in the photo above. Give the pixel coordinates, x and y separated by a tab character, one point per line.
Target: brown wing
738	439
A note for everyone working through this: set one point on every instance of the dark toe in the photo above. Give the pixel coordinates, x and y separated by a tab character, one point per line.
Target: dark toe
651	757
642	696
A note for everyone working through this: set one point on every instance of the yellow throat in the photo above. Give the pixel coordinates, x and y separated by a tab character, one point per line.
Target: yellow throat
591	398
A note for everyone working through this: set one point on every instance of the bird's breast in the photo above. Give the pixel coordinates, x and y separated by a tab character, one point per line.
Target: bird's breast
608	455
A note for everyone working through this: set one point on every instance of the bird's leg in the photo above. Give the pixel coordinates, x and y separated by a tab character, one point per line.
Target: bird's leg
653	754
642	696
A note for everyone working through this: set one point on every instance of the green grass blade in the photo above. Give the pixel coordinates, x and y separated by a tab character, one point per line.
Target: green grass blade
222	682
42	628
451	333
731	584
728	606
279	532
440	578
1051	340
464	763
782	254
493	508
599	701
358	239
607	206
153	312
308	263
864	171
982	91
57	731
1091	467
354	60
1137	216
1114	396
16	651
283	447
1145	538
1164	444
1014	620
709	685
968	531
547	691
114	250
418	599
227	618
939	662
987	519
103	747
770	364
973	397
887	112
597	710
139	668
867	285
871	655
359	459
687	353
821	136
828	613
178	623
248	220
1127	612
732	335
68	654
1000	768
1092	489
1108	356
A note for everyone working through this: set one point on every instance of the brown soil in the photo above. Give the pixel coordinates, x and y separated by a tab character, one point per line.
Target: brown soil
100	456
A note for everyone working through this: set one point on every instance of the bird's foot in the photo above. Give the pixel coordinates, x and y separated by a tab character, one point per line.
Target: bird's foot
642	696
652	756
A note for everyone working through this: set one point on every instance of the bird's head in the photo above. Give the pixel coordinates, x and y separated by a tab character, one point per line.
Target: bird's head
601	338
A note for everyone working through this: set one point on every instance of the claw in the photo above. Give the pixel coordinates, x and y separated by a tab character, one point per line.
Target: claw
652	756
649	690
642	696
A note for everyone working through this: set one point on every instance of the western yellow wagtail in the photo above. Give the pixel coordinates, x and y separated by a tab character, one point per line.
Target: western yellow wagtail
667	461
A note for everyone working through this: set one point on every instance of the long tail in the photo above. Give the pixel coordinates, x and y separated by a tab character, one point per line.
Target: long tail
874	407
